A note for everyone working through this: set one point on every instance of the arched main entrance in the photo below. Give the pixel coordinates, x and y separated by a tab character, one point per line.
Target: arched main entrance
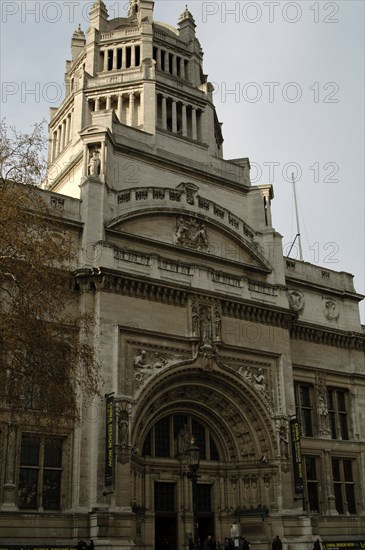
233	431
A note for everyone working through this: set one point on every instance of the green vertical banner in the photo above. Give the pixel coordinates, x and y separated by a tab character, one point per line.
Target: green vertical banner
109	440
296	456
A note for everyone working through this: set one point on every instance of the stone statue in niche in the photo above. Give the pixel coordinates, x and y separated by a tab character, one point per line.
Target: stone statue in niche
284	447
217	323
195	320
205	321
123	428
94	164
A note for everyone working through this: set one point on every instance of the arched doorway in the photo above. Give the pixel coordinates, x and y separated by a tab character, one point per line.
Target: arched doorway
233	432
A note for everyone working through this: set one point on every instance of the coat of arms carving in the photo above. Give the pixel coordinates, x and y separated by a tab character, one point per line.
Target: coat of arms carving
191	233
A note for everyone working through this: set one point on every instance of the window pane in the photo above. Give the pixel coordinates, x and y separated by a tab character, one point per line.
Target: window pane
214	455
344	434
336	470
53	452
164	497
338	496
310	463
347	470
330	399
162	438
203	503
29	455
28	483
51	489
332	421
305	396
341	402
313	497
307	423
350	497
147	445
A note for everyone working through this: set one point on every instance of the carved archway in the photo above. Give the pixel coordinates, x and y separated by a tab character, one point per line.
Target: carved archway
219	398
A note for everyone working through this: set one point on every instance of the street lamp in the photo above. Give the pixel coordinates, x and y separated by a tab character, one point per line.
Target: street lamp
193	453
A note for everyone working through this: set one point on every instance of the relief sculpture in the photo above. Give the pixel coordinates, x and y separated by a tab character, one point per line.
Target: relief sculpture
147	363
191	233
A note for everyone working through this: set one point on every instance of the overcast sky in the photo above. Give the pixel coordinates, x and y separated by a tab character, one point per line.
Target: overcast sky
289	90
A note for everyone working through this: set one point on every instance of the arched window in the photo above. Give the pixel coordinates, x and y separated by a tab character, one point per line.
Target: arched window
170	436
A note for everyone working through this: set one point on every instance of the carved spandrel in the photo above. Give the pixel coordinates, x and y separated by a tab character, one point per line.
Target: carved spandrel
146	363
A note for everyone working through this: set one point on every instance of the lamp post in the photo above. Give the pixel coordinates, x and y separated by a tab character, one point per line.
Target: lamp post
193	453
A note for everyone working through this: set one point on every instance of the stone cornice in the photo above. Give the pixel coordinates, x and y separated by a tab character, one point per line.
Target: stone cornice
318	334
102	279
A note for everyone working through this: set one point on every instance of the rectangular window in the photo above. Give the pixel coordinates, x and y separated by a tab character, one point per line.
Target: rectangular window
311	483
337	413
164	497
303	400
203	498
162	437
40	473
343	485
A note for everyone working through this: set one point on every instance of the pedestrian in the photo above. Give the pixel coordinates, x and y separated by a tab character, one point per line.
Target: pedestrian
81	545
317	545
208	543
245	544
276	543
91	545
191	544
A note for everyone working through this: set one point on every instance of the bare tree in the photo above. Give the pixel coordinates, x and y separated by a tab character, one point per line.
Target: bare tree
47	348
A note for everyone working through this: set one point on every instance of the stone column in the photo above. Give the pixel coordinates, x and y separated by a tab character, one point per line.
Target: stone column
109	102
67	138
193	124
115	57
158	58
174	65
120	107
131	109
184	120
124	57
86	160
97	103
174	117
133	56
102	158
54	147
105	68
331	499
9	486
164	113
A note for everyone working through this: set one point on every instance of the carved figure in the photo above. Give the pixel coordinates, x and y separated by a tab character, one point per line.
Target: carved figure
140	360
201	237
181	231
94	164
246	373
217	322
123	429
284	451
205	325
183	438
331	309
195	320
260	381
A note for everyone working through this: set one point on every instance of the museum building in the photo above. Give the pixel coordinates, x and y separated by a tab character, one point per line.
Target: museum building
212	342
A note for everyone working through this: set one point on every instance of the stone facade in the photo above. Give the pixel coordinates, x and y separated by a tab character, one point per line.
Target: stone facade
204	328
